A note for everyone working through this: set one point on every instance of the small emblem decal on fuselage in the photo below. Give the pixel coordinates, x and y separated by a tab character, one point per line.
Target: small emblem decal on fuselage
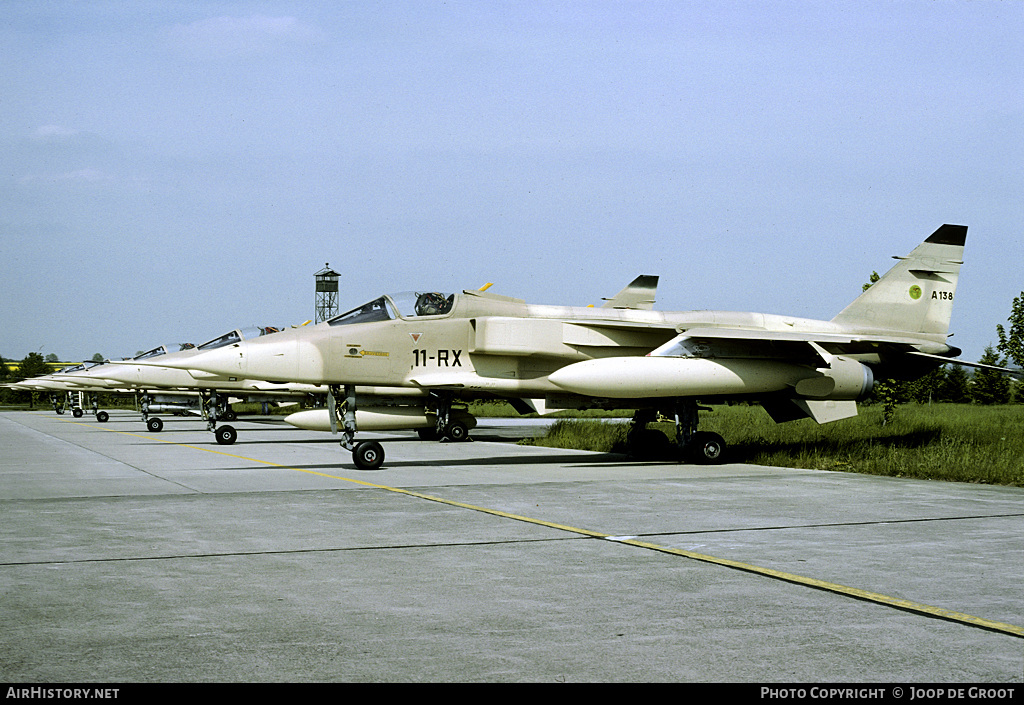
915	292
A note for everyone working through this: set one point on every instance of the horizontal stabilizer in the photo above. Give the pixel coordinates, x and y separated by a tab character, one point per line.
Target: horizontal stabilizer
976	365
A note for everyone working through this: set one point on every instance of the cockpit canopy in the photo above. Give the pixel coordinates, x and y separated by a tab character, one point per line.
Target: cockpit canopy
408	304
151	353
238	335
78	368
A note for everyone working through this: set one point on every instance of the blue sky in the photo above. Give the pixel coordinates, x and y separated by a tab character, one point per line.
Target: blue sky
173	170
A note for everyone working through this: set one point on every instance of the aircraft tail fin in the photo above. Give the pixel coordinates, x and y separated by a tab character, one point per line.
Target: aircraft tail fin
916	295
638	294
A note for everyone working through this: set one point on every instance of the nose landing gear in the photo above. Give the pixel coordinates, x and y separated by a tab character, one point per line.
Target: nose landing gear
367	455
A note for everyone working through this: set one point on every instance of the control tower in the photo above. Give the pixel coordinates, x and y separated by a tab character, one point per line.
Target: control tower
326	294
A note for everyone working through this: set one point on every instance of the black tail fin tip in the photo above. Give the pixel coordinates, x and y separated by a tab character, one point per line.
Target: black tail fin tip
949	235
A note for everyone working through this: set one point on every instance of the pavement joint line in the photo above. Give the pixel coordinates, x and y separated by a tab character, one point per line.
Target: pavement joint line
856	593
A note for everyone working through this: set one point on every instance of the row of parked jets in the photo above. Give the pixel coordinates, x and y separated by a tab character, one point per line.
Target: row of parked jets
412	360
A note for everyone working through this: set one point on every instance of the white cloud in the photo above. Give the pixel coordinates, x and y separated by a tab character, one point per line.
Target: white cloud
233	36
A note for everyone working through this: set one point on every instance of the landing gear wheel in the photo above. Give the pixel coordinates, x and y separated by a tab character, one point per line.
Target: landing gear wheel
226	435
102	417
368	455
457	432
230	415
60	411
155	425
708	448
77	413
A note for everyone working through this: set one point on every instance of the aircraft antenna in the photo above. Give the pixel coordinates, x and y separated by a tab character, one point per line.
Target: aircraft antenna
326	294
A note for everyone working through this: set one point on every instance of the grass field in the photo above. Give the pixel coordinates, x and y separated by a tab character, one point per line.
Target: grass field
955	442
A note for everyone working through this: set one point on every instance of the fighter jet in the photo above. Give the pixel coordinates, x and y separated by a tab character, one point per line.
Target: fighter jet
168	390
476	344
65	387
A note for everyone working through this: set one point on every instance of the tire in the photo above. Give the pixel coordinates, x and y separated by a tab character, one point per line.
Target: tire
225	435
102	416
78	413
155	425
708	448
457	432
60	412
368	455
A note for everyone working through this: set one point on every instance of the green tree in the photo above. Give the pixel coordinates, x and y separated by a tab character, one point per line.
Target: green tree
954	387
6	395
929	387
1012	345
52	357
990	386
888	393
98	357
32	365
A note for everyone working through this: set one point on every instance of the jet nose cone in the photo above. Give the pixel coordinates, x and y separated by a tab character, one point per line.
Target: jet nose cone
121	374
280	358
229	361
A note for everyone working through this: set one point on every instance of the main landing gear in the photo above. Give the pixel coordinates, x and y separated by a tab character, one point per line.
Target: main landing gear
703	447
447	427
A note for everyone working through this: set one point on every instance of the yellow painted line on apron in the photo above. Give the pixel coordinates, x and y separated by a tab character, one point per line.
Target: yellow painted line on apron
856	593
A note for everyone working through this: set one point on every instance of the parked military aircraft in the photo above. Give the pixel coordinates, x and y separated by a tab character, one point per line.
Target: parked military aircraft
64	387
167	390
480	345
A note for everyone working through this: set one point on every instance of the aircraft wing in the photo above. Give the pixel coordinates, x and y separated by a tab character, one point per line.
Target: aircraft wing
774	343
797	346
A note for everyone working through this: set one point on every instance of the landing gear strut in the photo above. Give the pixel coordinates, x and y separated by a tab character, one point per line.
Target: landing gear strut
702	447
448	428
215	406
101	416
154	424
367	455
